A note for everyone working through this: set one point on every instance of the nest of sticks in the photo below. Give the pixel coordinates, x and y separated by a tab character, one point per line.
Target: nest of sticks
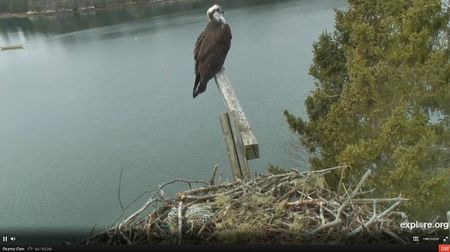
287	208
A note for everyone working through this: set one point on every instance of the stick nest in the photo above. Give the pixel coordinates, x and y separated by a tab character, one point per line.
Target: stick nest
287	208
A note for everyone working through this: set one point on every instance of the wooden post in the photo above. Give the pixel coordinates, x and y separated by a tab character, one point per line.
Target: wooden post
232	103
239	144
229	142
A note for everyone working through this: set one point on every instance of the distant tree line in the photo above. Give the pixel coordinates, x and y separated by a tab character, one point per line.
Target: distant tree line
22	6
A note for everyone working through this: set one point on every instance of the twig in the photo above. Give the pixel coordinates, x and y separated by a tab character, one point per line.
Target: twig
336	222
322	218
304	202
401	214
211	181
348	197
378	200
354	192
165	184
118	192
338	219
374	208
135	214
344	169
205	189
366	192
201	230
287	174
162	194
327	170
90	234
220	178
292	169
180	221
304	184
92	230
360	183
125	238
372	220
211	196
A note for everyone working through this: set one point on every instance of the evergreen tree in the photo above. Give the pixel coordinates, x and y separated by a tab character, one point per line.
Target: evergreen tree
382	100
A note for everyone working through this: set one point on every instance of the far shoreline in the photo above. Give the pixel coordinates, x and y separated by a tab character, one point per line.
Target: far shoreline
83	10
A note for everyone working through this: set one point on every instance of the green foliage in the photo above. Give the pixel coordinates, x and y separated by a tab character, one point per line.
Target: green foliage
382	100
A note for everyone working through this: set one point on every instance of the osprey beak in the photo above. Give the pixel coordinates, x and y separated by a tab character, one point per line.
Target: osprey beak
218	17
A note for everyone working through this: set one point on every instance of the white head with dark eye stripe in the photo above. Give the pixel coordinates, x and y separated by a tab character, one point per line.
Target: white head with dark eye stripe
215	14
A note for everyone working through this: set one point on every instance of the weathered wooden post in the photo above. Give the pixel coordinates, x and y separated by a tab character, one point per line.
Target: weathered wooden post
239	137
235	163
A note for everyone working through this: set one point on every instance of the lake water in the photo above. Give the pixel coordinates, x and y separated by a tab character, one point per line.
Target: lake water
92	94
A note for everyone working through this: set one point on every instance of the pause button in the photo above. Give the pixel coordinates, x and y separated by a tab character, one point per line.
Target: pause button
5	238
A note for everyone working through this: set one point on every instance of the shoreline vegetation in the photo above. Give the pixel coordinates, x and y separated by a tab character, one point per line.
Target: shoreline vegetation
53	7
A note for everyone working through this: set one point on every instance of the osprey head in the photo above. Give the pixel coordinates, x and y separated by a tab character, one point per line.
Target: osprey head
215	13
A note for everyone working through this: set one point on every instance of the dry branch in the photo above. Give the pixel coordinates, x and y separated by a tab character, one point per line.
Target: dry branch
373	219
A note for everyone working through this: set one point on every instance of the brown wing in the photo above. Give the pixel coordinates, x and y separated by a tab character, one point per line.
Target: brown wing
213	49
197	49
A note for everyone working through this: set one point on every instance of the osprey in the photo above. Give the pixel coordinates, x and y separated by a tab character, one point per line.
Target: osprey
211	49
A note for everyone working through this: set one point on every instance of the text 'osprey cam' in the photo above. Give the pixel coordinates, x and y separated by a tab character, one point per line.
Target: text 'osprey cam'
211	49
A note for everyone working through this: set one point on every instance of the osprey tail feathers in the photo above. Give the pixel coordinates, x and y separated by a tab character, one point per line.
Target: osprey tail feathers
196	82
199	86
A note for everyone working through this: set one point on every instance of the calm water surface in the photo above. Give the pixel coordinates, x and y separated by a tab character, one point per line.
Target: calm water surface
92	94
